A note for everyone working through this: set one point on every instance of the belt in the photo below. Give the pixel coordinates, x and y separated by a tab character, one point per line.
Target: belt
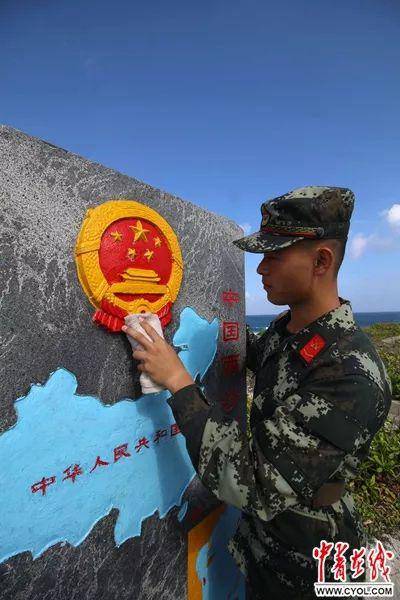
328	493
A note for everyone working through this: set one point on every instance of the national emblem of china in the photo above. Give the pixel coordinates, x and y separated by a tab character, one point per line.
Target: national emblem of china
129	261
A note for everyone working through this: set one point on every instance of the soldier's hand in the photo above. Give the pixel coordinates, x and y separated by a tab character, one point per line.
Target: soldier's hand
158	359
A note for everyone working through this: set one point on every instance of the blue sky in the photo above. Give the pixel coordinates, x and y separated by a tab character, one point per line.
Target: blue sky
225	104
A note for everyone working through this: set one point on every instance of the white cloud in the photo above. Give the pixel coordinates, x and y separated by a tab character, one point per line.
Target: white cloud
360	243
393	216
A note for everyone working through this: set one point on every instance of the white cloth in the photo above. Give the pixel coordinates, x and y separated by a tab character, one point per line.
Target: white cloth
132	320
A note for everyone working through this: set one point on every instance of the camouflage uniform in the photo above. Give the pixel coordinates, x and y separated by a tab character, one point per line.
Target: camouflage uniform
320	396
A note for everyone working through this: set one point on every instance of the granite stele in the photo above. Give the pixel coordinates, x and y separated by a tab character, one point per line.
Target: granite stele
98	496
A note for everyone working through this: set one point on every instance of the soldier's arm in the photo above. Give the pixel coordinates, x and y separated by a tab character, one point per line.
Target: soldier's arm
288	456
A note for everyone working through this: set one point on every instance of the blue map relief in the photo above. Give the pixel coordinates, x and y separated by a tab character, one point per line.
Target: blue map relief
70	459
216	569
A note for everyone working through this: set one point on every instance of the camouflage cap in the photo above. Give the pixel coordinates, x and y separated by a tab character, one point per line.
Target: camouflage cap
312	212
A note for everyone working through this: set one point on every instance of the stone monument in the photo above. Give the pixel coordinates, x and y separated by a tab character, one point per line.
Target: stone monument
99	498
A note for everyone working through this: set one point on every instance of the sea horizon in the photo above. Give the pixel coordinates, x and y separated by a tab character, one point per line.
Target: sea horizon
363	319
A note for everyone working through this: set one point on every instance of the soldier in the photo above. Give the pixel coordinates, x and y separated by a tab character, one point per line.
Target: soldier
321	394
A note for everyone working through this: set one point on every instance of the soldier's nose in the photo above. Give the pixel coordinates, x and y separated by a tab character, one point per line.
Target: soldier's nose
262	268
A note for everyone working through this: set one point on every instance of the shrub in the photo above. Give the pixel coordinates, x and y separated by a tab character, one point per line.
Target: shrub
380	331
377	485
392	364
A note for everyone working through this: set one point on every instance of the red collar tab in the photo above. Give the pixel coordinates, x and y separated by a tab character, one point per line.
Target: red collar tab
312	348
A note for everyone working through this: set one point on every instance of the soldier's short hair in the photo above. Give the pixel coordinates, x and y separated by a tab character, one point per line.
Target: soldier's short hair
338	246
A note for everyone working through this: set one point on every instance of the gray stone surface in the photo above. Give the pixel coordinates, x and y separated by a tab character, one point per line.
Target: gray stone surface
46	323
390	543
395	411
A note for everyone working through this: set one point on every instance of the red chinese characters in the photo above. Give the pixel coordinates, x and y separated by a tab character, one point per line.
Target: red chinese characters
159	434
230	297
72	472
230	331
230	364
174	429
99	463
230	400
321	553
377	558
142	443
43	484
339	567
75	470
377	561
121	451
357	562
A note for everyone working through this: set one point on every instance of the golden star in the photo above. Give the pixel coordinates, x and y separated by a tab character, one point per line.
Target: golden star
139	231
117	236
149	254
157	242
131	253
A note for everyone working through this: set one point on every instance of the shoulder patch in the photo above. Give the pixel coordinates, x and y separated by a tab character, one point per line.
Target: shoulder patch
312	348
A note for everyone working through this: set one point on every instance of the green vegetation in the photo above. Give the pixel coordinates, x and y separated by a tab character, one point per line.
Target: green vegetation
376	488
380	331
386	337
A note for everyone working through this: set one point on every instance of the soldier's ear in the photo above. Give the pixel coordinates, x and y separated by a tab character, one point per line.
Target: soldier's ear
323	260
317	259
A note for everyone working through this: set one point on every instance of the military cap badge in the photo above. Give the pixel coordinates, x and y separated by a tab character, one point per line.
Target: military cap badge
265	217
